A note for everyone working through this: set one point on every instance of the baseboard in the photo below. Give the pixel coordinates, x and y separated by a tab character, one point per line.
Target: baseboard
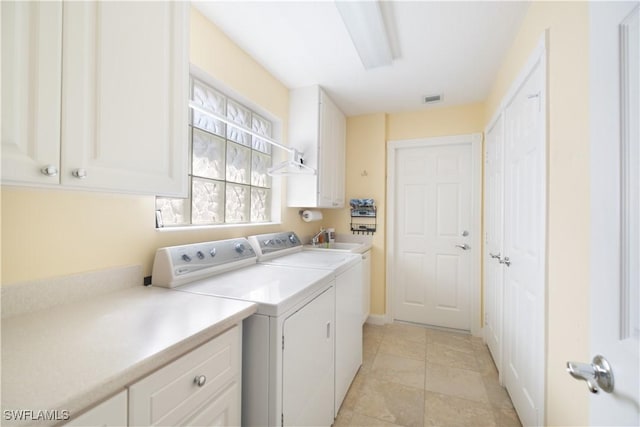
377	319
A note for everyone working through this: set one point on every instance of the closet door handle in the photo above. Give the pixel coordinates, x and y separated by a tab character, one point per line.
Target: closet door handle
495	256
506	261
463	247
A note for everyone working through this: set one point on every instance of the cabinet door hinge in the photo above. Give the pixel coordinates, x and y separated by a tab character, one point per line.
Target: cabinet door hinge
282	420
283	342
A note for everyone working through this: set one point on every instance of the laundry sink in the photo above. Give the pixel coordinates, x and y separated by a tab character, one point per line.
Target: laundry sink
352	247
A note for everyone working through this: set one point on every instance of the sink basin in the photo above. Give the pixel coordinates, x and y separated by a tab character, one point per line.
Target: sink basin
357	248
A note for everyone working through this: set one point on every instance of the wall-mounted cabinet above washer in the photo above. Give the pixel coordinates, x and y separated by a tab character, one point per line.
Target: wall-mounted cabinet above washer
317	128
96	95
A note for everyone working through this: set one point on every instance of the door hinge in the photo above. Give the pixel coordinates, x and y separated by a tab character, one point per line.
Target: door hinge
283	342
282	420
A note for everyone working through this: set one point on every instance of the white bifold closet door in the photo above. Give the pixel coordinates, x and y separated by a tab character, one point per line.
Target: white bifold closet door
494	225
515	241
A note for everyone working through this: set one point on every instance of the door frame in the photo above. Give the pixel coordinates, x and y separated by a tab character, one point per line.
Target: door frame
475	140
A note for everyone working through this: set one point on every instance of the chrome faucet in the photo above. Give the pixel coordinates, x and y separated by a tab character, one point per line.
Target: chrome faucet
314	239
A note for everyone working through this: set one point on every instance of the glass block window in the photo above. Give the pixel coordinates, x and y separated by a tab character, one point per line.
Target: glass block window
228	172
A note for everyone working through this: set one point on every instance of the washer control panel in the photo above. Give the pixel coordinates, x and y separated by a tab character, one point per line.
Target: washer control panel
176	265
274	242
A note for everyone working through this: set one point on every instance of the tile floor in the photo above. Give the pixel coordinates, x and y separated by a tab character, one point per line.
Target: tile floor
414	376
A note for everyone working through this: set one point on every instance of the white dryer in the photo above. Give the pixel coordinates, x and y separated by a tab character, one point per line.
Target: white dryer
288	345
285	250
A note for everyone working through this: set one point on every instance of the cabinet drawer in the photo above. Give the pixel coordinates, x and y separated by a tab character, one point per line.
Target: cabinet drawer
170	394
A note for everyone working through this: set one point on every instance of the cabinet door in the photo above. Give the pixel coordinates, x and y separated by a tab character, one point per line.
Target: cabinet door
348	330
221	411
110	413
125	93
31	73
332	155
308	365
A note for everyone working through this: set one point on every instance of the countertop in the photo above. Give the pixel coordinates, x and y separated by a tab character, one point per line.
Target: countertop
72	356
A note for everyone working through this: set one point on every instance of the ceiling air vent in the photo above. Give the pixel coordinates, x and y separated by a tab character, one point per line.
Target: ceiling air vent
430	99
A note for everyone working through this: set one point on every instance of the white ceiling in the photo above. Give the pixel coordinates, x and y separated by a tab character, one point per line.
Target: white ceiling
445	47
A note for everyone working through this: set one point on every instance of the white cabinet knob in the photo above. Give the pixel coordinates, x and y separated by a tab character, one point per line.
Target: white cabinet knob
49	170
79	173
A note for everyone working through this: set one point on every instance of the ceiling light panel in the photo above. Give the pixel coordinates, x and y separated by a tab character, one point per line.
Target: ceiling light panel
365	25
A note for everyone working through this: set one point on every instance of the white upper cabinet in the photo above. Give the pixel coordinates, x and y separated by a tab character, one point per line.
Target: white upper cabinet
120	121
31	76
317	128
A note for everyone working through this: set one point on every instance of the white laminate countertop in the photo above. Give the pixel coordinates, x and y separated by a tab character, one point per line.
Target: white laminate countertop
72	356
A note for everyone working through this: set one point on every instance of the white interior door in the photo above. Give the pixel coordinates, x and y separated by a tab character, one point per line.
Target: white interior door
432	270
524	244
493	220
615	230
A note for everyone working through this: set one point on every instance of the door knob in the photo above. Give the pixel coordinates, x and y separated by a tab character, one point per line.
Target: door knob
464	247
506	261
597	374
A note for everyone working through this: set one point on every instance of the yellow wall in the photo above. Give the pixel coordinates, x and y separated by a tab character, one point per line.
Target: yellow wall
367	151
434	122
568	192
47	233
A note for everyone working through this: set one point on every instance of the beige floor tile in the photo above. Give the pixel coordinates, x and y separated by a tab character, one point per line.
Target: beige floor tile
408	332
448	411
455	382
506	418
391	402
457	341
370	343
344	418
401	370
400	346
498	396
354	392
443	354
360	420
486	365
369	330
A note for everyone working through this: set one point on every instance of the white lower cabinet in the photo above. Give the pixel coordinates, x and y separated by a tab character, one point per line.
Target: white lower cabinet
110	413
201	388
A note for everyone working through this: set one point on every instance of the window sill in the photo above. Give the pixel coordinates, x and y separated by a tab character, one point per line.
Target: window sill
214	227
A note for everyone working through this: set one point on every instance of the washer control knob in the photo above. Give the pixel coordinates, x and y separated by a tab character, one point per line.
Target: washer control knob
240	248
293	239
200	255
279	241
267	242
186	258
212	252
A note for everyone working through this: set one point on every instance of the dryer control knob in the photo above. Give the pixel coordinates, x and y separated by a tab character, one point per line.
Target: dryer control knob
186	257
200	255
240	248
292	238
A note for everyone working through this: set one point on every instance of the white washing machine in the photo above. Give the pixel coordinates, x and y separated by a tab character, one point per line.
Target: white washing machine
288	345
285	250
